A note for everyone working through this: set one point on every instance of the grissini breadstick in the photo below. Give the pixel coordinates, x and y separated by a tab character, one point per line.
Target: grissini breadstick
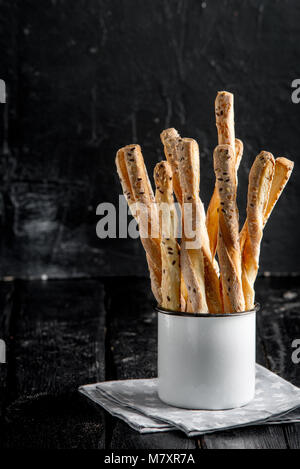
170	251
192	262
224	112
169	138
136	185
155	278
228	239
260	182
143	196
283	171
197	264
193	272
136	188
212	216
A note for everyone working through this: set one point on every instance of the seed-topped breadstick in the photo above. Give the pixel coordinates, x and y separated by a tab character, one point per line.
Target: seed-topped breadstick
192	268
283	171
155	278
228	239
197	264
170	251
224	112
169	138
260	182
143	195
212	216
137	189
192	262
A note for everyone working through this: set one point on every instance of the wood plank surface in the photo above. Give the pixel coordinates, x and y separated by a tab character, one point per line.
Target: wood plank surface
59	344
65	333
254	437
292	432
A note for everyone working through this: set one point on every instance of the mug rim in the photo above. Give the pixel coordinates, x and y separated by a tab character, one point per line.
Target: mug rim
168	312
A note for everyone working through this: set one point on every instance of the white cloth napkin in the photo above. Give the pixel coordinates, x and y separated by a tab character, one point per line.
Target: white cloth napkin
136	402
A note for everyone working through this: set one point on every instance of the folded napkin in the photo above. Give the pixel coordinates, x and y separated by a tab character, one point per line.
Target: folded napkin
136	402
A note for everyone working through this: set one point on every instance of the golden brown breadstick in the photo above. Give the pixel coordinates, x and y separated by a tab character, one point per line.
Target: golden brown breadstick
283	171
169	138
155	278
212	216
197	264
170	252
143	195
192	263
224	111
136	188
228	239
260	182
192	267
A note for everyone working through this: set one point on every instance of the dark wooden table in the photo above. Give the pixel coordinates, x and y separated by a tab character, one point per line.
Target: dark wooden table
64	333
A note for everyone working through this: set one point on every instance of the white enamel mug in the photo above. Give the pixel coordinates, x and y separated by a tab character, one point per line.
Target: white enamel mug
206	361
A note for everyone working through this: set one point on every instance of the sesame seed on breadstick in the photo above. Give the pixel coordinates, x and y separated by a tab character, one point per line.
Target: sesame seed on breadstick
136	188
228	240
170	251
260	182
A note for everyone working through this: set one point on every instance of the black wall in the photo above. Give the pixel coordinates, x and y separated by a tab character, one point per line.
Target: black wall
87	77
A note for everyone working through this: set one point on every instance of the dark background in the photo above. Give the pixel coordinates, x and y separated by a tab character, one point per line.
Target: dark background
87	77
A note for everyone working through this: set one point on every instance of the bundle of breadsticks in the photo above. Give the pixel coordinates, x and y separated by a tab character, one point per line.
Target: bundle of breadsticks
202	262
